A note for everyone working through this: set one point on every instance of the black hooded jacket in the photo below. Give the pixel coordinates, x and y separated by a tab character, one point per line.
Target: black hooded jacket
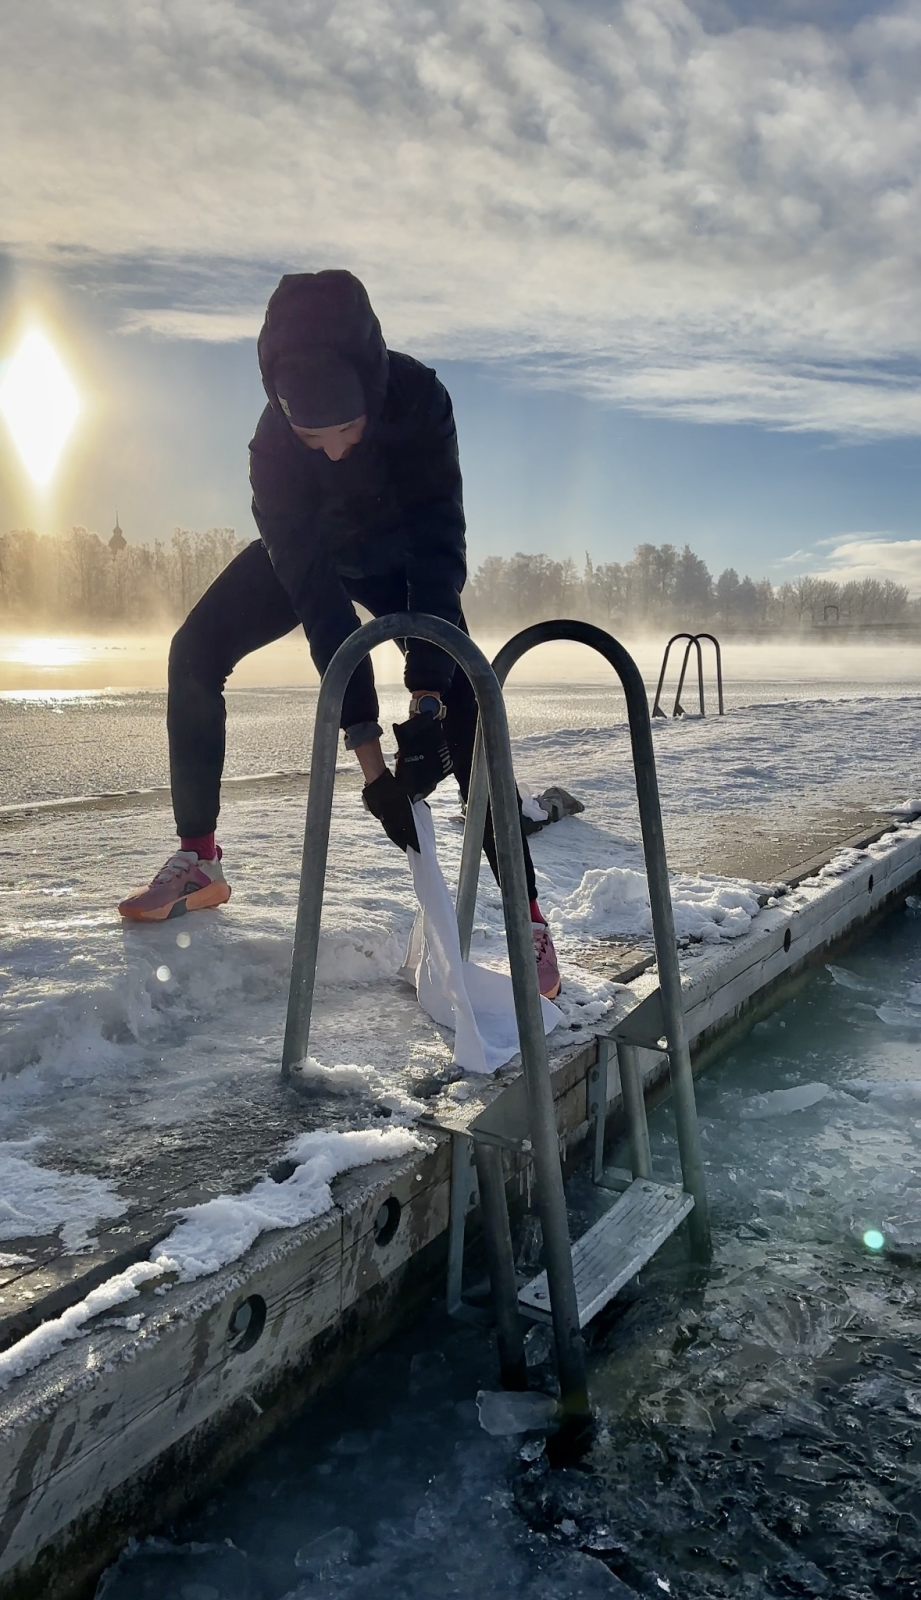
394	504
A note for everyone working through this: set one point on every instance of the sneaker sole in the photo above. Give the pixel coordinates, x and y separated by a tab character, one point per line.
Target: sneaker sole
216	894
551	994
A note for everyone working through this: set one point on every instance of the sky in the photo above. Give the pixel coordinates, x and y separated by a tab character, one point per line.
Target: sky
664	254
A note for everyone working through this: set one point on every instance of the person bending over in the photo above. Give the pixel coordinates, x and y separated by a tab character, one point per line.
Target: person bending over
357	497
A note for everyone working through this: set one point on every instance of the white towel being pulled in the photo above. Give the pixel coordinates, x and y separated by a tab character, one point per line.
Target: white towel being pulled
475	1001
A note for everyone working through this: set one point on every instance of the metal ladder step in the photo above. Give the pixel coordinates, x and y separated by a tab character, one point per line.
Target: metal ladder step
614	1248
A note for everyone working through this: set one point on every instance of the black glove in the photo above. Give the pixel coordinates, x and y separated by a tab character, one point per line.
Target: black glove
423	757
389	803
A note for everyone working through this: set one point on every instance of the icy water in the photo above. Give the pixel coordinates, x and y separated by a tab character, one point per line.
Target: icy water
58	743
759	1421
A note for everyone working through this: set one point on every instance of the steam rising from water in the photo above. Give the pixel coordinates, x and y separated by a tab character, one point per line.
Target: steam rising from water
773	669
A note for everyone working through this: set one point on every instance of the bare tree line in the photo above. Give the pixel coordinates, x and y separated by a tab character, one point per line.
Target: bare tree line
79	578
664	586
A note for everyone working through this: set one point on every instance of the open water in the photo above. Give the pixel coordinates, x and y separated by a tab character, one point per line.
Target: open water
759	1421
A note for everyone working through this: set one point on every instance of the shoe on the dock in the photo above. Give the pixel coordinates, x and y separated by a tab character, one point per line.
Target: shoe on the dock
548	968
184	884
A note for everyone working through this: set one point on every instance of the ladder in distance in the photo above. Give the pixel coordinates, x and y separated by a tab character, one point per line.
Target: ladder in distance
692	644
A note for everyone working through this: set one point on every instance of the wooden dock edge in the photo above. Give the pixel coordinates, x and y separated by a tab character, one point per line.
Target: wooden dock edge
122	1429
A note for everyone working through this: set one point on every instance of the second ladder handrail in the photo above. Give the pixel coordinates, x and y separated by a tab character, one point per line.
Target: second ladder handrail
660	902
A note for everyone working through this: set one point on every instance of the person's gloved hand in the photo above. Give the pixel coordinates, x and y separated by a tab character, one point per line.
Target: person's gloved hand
389	803
423	757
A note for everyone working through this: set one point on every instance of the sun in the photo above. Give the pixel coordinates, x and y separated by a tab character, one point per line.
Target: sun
40	405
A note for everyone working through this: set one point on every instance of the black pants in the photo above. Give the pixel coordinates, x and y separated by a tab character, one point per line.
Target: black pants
244	609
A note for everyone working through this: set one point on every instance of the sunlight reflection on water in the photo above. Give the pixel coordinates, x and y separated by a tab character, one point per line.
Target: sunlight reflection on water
775	667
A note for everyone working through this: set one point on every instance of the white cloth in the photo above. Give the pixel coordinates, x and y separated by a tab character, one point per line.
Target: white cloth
475	1001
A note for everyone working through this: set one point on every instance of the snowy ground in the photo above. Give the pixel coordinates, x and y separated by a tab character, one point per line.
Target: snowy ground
116	1041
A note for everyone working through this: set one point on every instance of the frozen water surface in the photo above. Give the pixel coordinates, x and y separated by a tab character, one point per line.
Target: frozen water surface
759	1421
57	743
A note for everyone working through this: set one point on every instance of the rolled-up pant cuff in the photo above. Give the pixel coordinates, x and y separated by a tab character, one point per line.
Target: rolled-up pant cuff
361	733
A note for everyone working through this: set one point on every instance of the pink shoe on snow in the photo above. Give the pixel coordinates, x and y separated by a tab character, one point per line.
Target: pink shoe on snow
184	884
548	969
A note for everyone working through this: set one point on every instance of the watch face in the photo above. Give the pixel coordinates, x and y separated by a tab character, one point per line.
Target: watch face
429	702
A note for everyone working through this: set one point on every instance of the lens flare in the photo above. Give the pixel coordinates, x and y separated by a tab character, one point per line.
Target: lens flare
873	1239
40	405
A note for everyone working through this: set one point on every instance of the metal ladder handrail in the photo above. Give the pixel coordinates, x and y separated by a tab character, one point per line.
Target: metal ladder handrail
493	734
693	640
678	709
663	924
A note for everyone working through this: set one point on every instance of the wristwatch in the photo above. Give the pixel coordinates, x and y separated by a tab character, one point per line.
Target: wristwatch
431	704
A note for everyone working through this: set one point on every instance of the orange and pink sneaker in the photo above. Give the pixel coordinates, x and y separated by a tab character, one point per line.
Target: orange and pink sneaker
184	884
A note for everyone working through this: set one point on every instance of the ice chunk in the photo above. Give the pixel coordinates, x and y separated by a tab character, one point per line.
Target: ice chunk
847	980
343	1079
509	1411
902	1238
899	1016
767	1425
900	1095
323	1554
180	1572
780	1102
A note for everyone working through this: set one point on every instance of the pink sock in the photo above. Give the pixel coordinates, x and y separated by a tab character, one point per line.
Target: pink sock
204	847
536	914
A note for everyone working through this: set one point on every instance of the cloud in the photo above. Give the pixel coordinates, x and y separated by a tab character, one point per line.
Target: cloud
800	558
691	217
873	555
210	327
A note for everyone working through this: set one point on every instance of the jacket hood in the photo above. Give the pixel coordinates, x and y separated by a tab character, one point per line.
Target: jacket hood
315	312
